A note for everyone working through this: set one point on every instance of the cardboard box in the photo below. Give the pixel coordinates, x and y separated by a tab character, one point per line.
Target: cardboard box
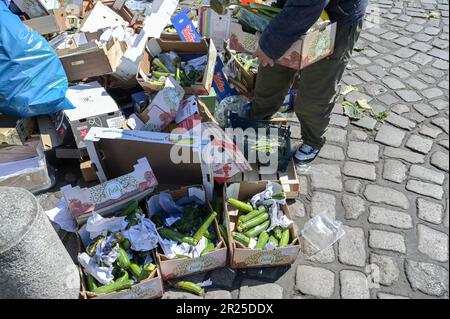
88	172
24	170
242	257
93	107
151	288
15	131
176	268
114	151
55	22
311	47
288	179
109	197
90	60
157	46
33	8
246	78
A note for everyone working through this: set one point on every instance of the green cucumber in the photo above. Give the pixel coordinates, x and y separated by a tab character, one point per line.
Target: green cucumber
255	231
223	232
130	208
91	283
135	270
278	232
112	287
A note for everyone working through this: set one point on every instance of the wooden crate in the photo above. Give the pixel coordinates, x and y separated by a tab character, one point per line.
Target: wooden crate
288	180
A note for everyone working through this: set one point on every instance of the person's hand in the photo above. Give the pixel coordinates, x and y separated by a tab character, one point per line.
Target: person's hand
264	59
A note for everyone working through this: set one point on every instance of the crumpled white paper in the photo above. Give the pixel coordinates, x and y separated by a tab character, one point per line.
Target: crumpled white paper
277	216
60	215
102	274
143	236
106	252
98	226
172	248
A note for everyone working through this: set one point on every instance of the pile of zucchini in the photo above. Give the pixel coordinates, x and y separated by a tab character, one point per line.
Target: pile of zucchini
130	267
195	224
254	222
177	70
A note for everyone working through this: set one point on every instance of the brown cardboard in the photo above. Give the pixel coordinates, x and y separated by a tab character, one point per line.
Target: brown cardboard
15	131
90	60
151	288
12	153
310	48
246	79
156	46
242	257
52	23
114	153
88	172
176	268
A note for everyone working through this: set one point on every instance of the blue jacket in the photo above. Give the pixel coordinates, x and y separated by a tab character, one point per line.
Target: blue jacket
299	15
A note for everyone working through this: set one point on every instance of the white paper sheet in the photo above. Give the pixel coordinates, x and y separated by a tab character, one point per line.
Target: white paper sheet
60	215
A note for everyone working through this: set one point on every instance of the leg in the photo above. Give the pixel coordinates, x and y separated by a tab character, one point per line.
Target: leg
272	85
318	87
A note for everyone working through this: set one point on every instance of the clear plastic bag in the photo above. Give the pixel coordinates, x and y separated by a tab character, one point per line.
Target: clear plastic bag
322	232
236	103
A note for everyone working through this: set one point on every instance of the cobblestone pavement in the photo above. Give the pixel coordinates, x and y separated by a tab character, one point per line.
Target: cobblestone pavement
386	181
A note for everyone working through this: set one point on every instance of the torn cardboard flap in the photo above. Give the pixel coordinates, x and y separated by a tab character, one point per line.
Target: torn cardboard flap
175	159
102	17
110	196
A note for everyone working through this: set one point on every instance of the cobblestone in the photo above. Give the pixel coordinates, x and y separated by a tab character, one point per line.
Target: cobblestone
386	195
363	151
332	152
440	160
430	211
394	171
427	278
380	215
252	289
425	110
379	239
400	122
325	176
354	285
354	206
353	186
430	131
432	243
352	250
409	96
315	281
360	170
425	189
336	135
408	156
419	144
426	174
323	203
389	270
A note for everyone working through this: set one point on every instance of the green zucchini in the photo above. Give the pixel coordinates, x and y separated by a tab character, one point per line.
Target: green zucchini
272	239
176	236
243	207
255	231
284	241
278	232
244	240
209	248
253	214
190	287
123	261
112	287
201	231
262	240
130	209
91	283
258	220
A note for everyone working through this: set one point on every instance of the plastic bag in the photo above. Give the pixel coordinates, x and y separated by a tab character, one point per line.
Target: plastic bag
32	79
322	232
236	103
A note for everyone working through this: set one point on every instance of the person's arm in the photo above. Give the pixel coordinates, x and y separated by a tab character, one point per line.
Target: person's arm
289	25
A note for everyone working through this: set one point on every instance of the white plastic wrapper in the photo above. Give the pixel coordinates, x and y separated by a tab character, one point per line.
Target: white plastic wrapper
102	274
143	236
106	253
277	216
98	226
322	232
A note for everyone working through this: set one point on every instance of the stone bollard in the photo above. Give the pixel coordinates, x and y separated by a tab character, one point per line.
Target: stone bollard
33	261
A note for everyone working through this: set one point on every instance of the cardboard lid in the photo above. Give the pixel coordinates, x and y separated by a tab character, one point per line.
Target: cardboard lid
89	99
114	152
